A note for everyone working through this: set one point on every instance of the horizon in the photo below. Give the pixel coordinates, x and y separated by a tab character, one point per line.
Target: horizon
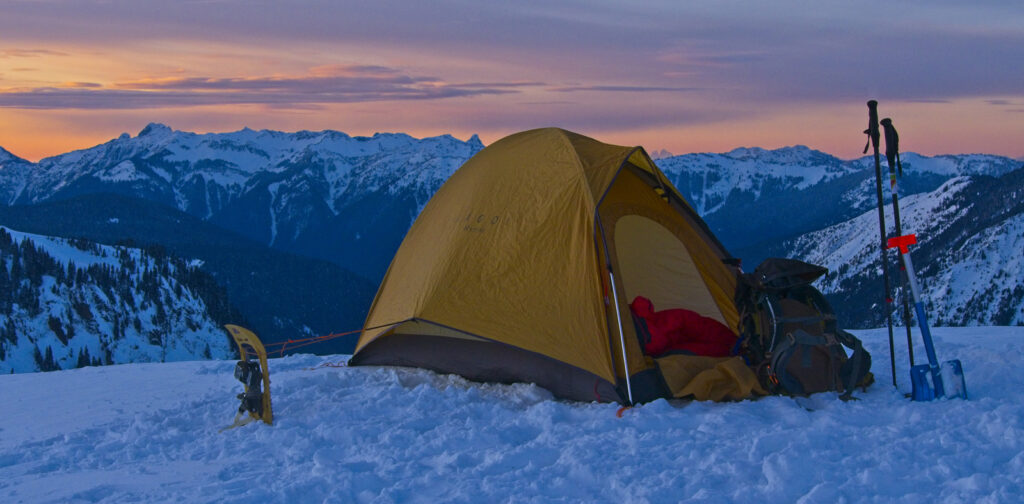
654	154
700	77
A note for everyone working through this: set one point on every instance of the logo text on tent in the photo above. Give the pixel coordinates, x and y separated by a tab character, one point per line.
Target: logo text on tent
477	222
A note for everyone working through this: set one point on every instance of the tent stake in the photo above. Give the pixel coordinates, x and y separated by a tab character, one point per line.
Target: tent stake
622	337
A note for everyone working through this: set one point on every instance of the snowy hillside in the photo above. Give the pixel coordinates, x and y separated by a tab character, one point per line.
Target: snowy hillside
970	233
754	198
710	180
148	433
950	164
13	173
69	303
804	204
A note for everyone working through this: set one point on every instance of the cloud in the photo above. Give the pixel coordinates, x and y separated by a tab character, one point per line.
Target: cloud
1011	106
627	89
754	52
321	85
505	85
81	85
29	53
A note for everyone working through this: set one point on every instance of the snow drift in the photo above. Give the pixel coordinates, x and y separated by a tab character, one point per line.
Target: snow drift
148	432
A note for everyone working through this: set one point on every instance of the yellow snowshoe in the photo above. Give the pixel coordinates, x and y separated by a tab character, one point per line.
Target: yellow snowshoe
255	375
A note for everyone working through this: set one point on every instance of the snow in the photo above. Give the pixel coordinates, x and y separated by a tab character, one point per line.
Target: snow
975	279
750	169
272	188
852	243
186	329
712	178
993	263
148	432
949	165
122	172
63	251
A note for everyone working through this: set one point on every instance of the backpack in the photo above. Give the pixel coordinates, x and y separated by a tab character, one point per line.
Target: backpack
790	336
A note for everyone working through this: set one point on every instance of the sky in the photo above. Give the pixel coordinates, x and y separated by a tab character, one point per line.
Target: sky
696	76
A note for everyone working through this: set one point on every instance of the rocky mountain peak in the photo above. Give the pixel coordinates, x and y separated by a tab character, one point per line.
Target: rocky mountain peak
155	129
7	157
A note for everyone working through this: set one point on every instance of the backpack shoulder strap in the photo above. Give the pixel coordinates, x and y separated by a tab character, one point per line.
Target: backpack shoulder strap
857	366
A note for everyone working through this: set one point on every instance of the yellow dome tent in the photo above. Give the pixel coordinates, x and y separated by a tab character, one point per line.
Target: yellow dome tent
522	266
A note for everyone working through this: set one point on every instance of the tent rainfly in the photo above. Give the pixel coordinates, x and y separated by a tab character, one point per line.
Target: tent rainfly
522	266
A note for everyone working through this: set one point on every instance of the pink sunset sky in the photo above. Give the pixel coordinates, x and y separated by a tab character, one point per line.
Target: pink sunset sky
681	76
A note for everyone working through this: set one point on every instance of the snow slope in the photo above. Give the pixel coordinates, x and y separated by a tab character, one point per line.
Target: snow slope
148	432
970	232
123	305
709	180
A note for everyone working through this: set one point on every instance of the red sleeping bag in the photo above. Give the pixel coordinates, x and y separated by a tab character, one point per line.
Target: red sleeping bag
679	329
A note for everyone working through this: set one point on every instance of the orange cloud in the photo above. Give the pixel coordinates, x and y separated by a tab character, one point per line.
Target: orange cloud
323	84
81	85
29	53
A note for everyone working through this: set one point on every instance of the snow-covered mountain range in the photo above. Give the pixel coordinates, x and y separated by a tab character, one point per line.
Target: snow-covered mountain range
320	194
349	201
753	197
971	234
800	203
73	303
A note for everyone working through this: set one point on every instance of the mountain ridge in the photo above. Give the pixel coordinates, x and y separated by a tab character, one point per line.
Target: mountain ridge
349	200
751	196
317	192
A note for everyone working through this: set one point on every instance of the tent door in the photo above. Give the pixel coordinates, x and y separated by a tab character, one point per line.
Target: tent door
653	262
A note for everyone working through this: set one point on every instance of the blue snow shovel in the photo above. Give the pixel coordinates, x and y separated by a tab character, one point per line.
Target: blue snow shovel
930	381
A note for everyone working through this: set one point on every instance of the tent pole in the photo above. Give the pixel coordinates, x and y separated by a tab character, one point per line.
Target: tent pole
622	337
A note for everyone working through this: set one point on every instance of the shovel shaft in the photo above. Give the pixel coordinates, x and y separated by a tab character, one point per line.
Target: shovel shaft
922	321
915	288
926	335
922	318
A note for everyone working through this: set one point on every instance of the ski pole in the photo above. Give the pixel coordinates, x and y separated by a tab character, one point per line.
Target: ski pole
892	156
873	136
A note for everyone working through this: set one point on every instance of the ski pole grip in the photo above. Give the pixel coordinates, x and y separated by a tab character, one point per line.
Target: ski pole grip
892	142
902	242
872	131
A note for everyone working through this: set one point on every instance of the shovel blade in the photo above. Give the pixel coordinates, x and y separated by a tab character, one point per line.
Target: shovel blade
930	383
953	379
921	379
